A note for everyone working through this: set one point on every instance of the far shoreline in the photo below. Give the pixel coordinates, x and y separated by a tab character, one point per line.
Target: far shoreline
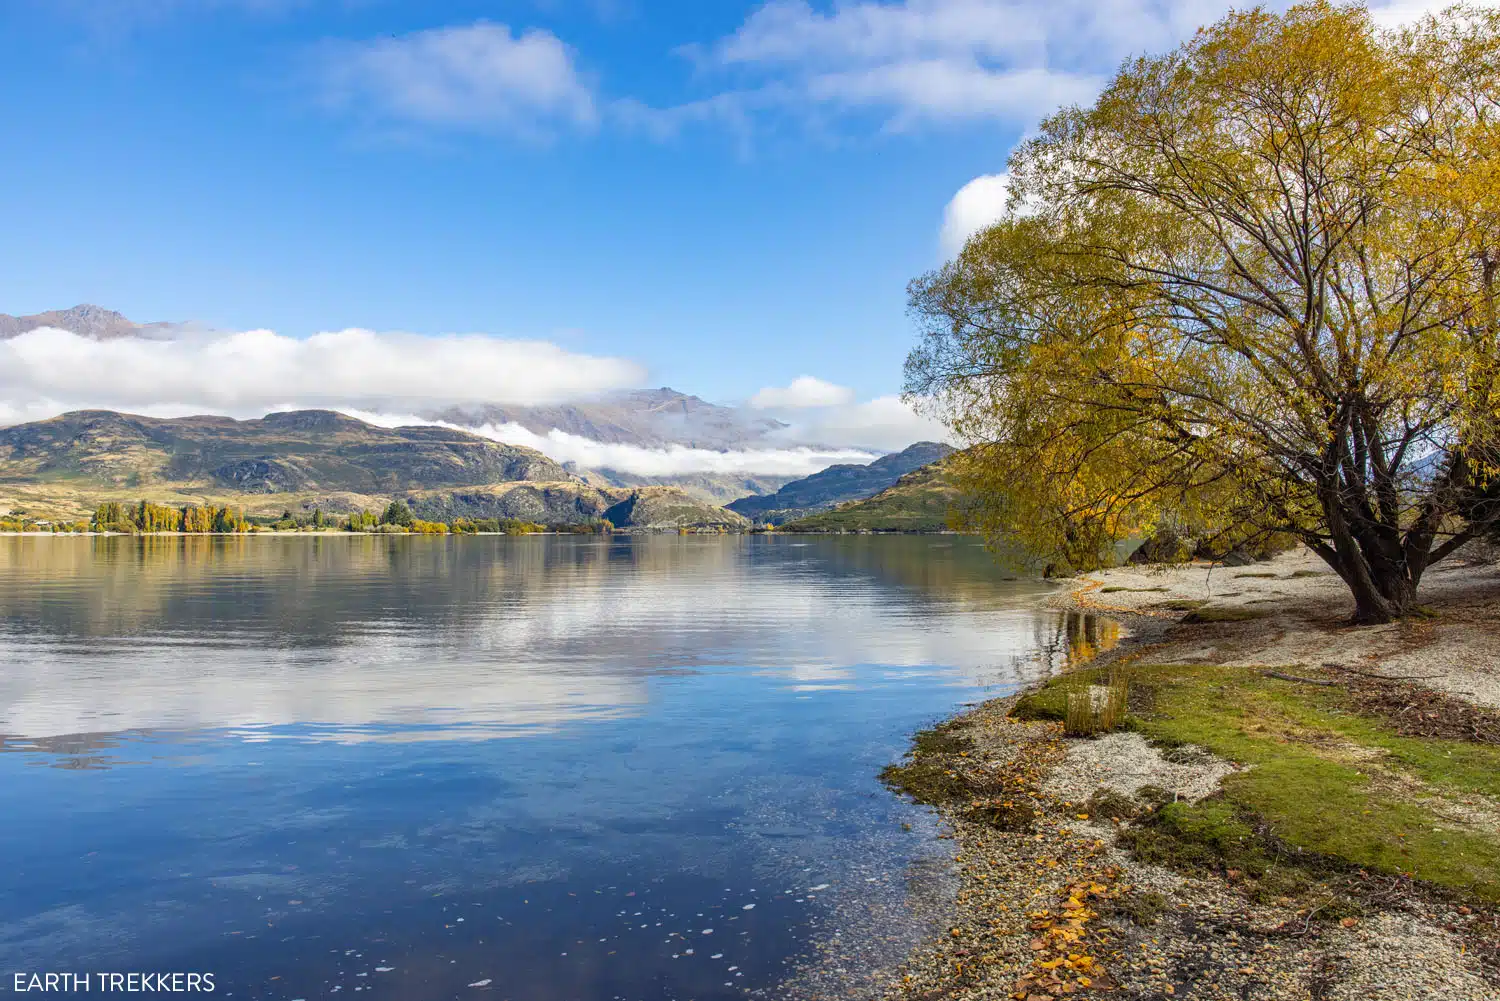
335	532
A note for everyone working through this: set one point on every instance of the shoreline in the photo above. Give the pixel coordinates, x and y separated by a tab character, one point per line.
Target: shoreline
686	530
1139	864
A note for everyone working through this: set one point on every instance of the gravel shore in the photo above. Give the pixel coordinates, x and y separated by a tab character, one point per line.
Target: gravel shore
1052	900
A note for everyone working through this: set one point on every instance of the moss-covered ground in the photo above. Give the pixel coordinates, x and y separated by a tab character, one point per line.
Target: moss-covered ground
1329	781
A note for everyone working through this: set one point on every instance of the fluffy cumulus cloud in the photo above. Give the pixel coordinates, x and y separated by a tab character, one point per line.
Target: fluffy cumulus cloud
885	423
478	77
816	410
978	204
247	373
804	391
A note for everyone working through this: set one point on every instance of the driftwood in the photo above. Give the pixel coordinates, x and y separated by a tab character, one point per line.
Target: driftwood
1383	677
1305	681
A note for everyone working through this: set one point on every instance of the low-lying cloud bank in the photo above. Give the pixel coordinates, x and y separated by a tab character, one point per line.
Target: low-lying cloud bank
391	379
636	460
250	372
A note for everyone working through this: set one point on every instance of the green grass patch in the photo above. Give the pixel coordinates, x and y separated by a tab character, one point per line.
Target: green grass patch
926	773
1326	787
1050	702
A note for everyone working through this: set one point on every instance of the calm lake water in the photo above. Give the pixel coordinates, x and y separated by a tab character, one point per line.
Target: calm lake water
526	768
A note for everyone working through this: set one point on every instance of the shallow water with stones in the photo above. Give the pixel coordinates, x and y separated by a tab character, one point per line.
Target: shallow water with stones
525	768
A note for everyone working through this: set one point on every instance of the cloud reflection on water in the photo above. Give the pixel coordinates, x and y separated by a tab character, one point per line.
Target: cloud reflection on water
359	639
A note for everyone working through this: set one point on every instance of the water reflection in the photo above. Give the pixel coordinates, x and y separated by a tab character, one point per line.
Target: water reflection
367	638
273	758
1075	638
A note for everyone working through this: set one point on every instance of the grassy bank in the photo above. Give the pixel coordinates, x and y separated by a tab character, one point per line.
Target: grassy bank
1246	798
1343	772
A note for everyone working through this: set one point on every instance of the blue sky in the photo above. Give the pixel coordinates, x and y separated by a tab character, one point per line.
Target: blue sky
186	165
726	194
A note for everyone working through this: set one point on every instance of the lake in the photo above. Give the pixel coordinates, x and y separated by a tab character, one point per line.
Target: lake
539	768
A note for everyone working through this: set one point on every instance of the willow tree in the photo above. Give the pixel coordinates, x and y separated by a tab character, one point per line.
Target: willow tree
1252	286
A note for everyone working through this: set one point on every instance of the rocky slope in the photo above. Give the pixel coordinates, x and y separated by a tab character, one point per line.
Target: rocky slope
84	320
838	484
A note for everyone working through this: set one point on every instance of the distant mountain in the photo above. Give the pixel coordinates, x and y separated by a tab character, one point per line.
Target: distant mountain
298	451
647	508
85	320
838	484
647	418
650	418
714	488
920	501
305	459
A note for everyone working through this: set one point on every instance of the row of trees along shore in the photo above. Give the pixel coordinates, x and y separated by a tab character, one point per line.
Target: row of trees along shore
1250	290
146	517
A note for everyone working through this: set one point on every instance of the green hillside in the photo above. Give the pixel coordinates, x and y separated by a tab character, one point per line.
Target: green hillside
838	484
920	501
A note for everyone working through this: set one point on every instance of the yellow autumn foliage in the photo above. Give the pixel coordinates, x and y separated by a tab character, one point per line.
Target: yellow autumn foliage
1251	288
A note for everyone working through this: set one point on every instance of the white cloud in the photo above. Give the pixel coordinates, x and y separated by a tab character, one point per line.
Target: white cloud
804	391
913	61
978	204
250	372
478	76
673	460
885	423
1394	15
934	60
387	379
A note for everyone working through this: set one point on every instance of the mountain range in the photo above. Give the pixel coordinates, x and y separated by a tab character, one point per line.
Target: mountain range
645	418
295	452
299	460
63	466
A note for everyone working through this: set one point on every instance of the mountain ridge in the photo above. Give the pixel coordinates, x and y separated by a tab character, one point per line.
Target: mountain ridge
659	418
838	484
281	452
63	467
85	320
920	502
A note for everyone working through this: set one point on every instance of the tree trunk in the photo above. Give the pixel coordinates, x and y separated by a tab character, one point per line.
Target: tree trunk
1387	597
1377	570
